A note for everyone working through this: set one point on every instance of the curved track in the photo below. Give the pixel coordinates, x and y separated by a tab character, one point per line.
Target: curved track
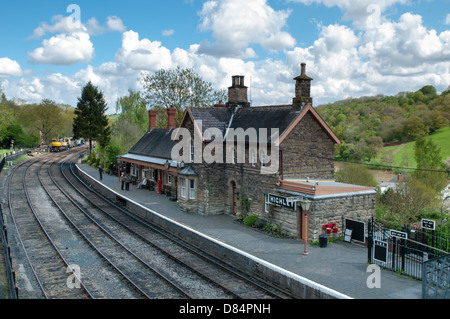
113	253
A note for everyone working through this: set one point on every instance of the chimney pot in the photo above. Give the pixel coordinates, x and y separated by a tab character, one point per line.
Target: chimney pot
303	68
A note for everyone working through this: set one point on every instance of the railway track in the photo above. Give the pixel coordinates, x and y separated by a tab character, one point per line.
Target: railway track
100	237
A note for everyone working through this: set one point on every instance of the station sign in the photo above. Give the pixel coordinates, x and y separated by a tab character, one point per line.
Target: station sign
281	201
428	224
399	234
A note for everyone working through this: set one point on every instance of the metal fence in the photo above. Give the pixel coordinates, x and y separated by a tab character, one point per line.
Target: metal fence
436	278
403	251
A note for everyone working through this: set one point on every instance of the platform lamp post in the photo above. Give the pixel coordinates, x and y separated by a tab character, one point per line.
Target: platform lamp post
306	203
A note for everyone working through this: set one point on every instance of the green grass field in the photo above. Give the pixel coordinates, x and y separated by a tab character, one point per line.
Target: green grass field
404	157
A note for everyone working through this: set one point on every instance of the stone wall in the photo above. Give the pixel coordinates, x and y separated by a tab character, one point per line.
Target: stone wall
308	151
334	209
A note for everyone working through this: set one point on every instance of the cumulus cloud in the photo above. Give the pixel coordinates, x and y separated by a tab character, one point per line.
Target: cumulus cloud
115	24
64	49
364	13
9	67
143	54
344	60
71	43
237	24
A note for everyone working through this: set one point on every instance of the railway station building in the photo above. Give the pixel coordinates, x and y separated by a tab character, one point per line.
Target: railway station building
234	158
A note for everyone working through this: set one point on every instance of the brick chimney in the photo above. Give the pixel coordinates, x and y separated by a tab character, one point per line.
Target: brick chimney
302	89
151	119
237	92
171	118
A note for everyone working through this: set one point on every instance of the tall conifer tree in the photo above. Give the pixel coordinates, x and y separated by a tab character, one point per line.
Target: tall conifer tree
90	119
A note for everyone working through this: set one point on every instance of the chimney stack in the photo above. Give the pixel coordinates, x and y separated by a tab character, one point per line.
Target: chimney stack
151	119
237	92
171	118
302	89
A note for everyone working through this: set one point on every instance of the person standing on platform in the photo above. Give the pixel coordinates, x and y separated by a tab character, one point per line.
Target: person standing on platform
122	179
100	170
127	182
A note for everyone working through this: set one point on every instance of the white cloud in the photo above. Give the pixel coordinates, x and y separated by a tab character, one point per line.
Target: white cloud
362	12
64	49
143	54
9	67
115	24
167	33
61	24
447	19
236	24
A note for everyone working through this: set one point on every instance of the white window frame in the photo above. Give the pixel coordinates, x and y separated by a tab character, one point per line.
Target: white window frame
254	159
169	178
191	189
192	151
182	187
266	203
263	158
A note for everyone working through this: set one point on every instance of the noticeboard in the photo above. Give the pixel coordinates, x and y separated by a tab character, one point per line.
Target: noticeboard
358	229
348	235
380	251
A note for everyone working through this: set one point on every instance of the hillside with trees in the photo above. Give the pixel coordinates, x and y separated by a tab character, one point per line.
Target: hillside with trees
366	124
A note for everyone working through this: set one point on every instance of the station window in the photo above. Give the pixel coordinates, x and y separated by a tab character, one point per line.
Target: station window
266	203
191	189
182	187
253	158
192	151
169	179
263	158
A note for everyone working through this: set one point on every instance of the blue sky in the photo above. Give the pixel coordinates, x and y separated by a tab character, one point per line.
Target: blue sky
352	48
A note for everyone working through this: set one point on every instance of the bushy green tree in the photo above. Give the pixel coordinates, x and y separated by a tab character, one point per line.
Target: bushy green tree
179	88
355	174
429	164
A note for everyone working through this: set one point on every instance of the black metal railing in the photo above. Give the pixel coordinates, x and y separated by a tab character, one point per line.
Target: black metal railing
405	255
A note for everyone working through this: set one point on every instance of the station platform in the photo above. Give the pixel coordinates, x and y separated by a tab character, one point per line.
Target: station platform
339	266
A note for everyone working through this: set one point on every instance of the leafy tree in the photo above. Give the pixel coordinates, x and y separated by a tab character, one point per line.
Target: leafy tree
355	174
90	120
6	119
47	118
133	108
429	159
414	127
179	88
125	134
429	90
408	200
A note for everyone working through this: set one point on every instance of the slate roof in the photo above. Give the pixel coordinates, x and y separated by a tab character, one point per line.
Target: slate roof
211	117
155	143
246	117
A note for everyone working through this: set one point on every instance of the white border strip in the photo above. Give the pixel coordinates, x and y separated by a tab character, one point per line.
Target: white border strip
289	274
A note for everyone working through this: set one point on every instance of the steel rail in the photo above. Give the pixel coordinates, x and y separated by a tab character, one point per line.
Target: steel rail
11	210
188	247
159	249
158	273
91	243
49	237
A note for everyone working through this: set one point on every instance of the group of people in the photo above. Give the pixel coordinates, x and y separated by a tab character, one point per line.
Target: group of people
126	179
